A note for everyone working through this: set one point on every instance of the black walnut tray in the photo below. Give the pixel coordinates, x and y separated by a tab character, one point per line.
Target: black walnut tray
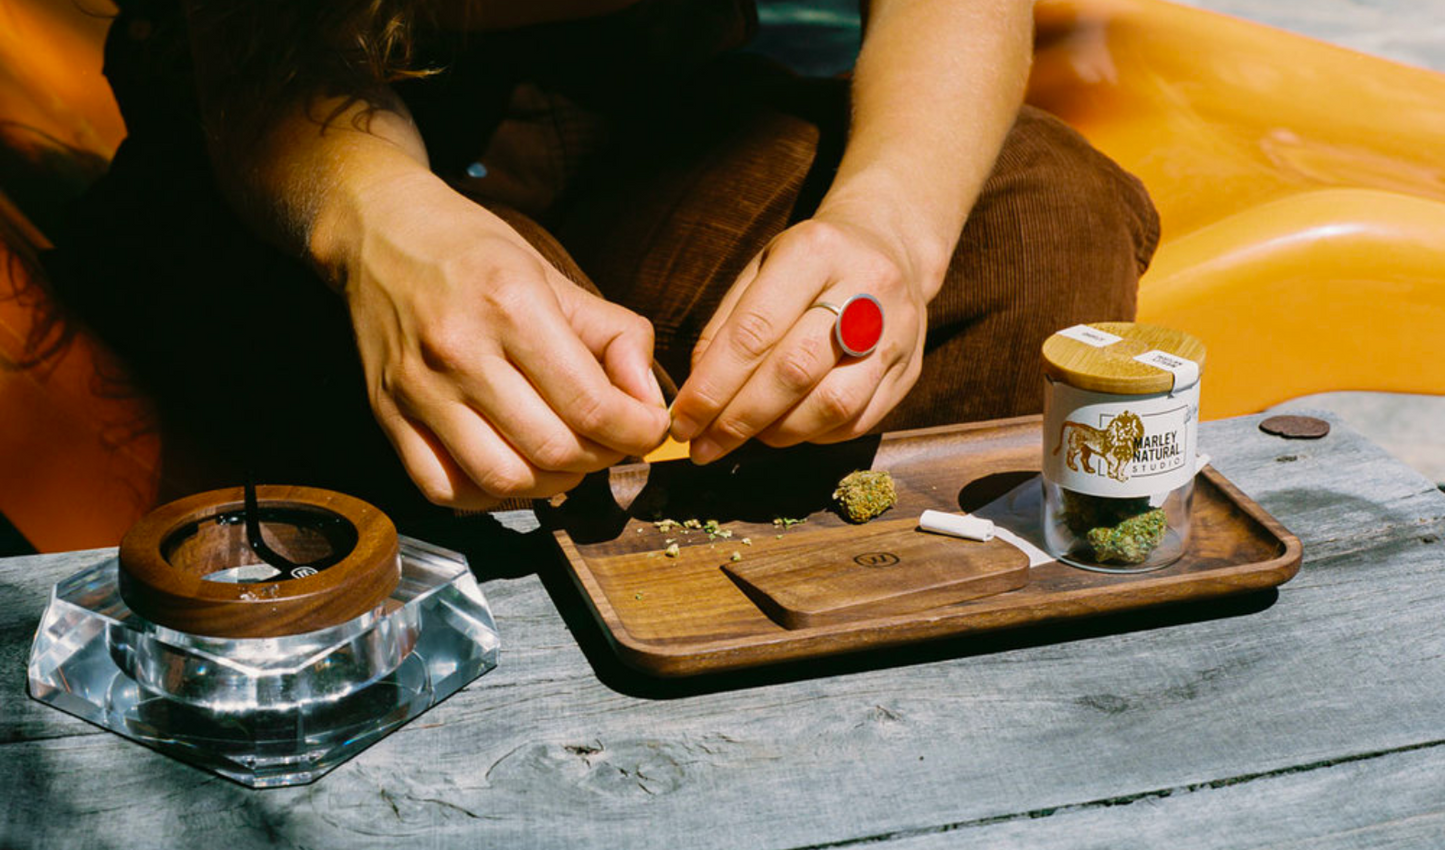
824	586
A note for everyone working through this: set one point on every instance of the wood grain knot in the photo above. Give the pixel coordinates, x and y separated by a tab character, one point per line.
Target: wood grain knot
620	769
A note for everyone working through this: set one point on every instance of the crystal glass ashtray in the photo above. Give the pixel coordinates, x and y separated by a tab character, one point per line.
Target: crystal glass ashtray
266	711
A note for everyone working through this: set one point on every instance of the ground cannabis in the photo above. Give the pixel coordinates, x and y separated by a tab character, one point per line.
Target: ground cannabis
712	528
864	494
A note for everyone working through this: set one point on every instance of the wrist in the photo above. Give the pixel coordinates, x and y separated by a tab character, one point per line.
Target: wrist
365	201
921	233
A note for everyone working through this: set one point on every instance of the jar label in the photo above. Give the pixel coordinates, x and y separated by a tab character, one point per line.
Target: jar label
1119	445
1090	336
1184	370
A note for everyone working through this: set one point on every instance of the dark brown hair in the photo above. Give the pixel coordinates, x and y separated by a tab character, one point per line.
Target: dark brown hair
255	58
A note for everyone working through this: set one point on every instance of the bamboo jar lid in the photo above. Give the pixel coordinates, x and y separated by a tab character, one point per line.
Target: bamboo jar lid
165	559
1111	368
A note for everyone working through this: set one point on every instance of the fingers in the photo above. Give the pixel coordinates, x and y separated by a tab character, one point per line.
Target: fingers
768	366
480	378
527	422
835	403
725	307
623	342
766	309
792	370
491	374
433	471
848	403
512	411
487	459
458	460
549	350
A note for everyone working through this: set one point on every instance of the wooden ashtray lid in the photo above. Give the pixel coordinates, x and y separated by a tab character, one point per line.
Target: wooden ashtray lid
166	556
1112	368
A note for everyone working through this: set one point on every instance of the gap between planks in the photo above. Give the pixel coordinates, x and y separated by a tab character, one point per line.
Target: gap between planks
1122	799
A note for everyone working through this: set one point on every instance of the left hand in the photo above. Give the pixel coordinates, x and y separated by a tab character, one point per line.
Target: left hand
767	365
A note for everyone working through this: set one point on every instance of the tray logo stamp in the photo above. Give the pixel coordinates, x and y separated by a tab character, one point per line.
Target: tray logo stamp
876	559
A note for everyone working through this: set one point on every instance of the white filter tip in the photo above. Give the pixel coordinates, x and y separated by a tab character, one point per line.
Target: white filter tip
957	525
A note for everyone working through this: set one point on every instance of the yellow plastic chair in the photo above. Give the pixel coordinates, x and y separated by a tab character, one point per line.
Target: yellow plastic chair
1301	188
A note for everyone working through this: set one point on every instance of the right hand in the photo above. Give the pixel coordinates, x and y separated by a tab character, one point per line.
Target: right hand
493	375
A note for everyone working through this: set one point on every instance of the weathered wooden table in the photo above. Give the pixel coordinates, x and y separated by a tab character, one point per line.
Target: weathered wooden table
1313	716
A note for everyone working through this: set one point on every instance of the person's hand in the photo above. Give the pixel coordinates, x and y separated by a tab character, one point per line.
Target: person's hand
493	375
767	365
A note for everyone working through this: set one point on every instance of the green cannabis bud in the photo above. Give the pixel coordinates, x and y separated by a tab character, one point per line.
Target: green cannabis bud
1131	541
864	494
1082	512
1120	530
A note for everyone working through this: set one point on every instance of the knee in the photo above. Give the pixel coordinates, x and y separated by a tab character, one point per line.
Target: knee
1059	233
1072	192
1058	236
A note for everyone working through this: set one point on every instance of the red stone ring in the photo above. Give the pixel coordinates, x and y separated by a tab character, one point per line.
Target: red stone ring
859	325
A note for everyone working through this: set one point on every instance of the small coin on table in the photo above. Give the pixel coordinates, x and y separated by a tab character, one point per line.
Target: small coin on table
1294	427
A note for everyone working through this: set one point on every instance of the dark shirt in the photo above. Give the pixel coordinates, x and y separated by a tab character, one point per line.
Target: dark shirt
609	63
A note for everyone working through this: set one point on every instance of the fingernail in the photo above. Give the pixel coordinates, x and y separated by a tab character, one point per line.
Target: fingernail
657	390
683	428
705	451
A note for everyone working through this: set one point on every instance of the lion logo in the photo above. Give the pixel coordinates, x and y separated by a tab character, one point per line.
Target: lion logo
1115	444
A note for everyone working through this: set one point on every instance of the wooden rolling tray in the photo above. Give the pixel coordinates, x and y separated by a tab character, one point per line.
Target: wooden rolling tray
825	586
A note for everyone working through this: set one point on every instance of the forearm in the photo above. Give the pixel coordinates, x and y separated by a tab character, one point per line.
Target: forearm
297	128
937	86
313	176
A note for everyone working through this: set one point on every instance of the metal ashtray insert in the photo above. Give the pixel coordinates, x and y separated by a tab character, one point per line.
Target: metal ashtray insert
269	710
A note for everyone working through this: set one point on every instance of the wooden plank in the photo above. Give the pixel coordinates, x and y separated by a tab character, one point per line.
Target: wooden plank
1345	491
542	752
1391	800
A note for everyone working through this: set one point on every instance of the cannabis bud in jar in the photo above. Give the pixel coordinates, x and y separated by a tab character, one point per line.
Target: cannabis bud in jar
1121	411
1119	531
864	494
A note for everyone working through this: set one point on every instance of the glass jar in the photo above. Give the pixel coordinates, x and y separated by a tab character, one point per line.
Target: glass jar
1121	417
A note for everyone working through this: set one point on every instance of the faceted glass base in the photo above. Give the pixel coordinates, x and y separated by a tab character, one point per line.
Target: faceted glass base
265	711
